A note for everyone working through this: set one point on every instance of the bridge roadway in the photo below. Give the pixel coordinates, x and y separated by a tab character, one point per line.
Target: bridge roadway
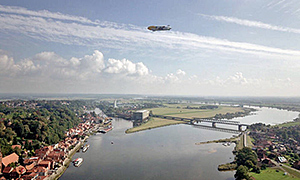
197	120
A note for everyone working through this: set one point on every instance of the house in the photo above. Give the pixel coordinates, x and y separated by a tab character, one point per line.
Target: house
30	176
268	162
16	146
42	171
261	154
12	158
20	170
46	164
282	159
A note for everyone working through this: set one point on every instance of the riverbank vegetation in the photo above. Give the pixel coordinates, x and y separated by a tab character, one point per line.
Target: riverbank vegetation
246	160
230	140
227	167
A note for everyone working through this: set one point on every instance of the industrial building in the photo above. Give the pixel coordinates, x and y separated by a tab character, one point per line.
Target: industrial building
140	115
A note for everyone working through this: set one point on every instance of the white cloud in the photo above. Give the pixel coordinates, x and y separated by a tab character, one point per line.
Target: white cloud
237	79
249	23
43	13
6	63
180	72
52	27
51	65
93	62
172	78
49	72
125	66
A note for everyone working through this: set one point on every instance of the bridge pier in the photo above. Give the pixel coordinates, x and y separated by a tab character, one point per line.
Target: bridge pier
214	124
240	127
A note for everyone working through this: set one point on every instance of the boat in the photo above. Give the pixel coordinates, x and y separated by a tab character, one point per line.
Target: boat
77	162
106	129
85	148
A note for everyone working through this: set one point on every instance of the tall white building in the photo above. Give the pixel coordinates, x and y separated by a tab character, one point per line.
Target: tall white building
115	104
141	115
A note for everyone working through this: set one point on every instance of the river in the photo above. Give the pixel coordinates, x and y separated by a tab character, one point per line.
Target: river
162	153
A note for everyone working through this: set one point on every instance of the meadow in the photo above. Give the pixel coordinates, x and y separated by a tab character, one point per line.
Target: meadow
179	110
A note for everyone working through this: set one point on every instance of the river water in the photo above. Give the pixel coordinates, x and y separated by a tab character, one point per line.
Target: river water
162	153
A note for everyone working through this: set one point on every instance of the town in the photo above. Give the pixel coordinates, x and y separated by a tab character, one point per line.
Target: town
49	161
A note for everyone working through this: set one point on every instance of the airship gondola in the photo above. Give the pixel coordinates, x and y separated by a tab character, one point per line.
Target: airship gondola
159	28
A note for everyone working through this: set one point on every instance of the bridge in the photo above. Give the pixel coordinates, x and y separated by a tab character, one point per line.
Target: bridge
199	120
227	130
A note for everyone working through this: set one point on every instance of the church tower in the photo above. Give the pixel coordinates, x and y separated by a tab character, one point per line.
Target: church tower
115	104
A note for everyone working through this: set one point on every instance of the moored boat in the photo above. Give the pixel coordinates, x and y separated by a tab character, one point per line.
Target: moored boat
106	129
77	162
85	148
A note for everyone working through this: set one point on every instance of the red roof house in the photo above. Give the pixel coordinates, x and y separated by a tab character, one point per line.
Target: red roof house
10	159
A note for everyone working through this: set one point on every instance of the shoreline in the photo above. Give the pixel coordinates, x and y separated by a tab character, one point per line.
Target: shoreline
231	140
155	123
67	161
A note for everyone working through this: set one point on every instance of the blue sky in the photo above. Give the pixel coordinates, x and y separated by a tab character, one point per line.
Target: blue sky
215	47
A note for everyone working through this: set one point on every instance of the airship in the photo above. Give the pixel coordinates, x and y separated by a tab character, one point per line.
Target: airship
159	28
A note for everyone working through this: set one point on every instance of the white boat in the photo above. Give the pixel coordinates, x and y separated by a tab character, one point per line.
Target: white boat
85	148
77	162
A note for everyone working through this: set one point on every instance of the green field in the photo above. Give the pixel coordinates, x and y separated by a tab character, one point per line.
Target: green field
153	123
271	174
177	110
288	124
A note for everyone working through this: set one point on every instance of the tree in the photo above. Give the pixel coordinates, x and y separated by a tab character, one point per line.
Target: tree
256	169
242	173
246	155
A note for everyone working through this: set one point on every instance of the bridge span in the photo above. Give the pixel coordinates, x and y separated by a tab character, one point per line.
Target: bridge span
199	120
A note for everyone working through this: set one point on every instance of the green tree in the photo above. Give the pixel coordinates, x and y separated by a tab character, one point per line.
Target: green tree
246	155
242	173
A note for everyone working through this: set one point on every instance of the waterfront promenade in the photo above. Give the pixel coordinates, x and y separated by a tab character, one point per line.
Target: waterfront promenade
66	162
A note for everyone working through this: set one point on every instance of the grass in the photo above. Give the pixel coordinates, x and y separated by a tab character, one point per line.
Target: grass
249	141
271	174
177	110
197	113
153	123
293	173
288	124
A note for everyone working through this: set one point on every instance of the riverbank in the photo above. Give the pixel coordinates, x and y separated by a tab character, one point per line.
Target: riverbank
60	171
231	140
239	141
154	123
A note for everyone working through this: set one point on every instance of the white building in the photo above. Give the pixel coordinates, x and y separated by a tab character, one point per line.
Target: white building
140	115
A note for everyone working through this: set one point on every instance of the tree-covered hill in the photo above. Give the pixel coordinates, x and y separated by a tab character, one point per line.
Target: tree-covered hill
40	122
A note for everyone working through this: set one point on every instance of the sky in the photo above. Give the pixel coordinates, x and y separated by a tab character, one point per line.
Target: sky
215	47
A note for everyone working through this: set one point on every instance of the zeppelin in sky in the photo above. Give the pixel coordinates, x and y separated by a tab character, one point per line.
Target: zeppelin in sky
159	28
